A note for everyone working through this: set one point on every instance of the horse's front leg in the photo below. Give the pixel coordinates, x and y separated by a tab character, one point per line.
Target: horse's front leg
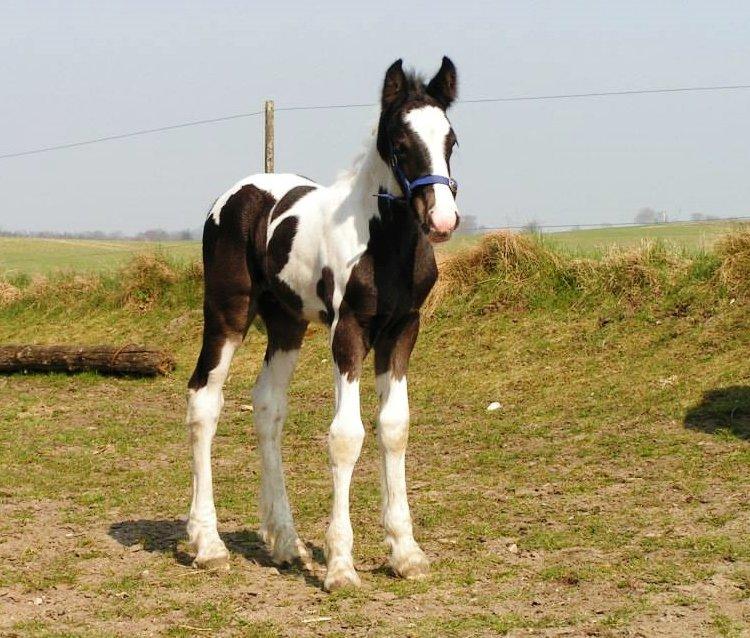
391	362
344	445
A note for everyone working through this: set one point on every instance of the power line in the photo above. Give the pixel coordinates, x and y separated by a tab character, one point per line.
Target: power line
320	107
131	134
518	98
526	98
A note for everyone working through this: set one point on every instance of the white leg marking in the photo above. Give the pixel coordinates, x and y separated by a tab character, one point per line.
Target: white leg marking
204	407
344	445
270	408
407	559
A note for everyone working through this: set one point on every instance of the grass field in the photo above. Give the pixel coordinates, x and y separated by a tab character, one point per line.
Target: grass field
31	256
607	497
692	236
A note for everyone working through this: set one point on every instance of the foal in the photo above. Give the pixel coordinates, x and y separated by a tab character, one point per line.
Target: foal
356	256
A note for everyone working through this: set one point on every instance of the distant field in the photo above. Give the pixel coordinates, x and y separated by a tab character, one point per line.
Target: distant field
699	235
32	256
43	256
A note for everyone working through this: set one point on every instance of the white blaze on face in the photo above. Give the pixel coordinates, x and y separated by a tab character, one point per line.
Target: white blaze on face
432	127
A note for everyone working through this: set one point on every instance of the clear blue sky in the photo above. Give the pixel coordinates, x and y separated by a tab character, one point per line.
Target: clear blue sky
77	70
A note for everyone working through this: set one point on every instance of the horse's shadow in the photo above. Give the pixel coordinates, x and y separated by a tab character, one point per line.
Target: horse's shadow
725	409
165	536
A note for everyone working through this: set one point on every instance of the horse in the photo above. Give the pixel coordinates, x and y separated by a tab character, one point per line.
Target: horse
356	256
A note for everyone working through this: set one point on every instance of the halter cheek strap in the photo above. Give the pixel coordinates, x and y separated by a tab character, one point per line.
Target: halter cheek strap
426	180
408	186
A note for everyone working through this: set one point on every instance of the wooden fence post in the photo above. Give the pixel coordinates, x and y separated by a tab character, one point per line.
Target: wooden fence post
268	157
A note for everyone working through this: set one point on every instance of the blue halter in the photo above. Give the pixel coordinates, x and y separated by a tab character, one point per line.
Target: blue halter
409	186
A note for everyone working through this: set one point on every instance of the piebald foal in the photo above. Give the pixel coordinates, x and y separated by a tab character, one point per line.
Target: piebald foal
293	251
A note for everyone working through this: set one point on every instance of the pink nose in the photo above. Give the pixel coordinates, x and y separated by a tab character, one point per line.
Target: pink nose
444	221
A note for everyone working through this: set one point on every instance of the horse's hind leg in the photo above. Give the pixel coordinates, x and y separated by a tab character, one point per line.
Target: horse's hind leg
205	400
285	334
228	310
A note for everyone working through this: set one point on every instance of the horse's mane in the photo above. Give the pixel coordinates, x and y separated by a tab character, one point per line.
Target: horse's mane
350	172
416	90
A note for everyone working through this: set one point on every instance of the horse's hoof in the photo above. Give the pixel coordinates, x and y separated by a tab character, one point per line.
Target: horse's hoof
411	566
341	578
289	552
215	561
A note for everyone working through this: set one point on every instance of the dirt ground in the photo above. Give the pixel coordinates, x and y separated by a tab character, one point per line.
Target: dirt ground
134	578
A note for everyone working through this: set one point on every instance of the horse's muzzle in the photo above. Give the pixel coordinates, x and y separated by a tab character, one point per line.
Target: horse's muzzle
441	227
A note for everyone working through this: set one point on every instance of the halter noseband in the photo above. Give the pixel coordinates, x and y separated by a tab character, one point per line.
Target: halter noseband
408	186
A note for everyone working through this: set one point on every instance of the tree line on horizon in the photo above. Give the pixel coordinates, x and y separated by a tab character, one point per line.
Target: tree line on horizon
151	235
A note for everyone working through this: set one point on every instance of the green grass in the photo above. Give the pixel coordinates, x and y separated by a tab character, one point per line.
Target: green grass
45	256
618	464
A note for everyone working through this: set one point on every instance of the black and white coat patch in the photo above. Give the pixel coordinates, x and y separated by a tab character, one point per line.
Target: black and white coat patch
295	252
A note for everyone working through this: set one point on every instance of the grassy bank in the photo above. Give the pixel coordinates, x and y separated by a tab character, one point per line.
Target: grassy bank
506	270
502	269
607	496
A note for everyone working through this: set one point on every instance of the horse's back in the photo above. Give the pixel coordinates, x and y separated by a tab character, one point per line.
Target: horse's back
249	231
240	217
271	187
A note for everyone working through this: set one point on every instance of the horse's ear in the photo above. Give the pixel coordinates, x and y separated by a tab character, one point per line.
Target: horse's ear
444	86
394	85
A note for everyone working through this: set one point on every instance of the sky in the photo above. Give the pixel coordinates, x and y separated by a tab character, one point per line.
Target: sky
73	71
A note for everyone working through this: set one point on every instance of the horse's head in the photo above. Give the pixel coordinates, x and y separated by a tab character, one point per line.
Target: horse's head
416	139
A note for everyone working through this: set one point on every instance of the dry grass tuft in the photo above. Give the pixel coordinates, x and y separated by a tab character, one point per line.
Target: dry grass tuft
9	293
65	288
734	251
629	273
146	277
194	271
81	284
38	287
518	259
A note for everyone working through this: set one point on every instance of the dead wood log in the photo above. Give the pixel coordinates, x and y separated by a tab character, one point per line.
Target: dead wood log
125	360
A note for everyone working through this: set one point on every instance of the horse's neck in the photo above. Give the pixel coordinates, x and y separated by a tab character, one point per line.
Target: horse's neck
357	187
396	243
398	226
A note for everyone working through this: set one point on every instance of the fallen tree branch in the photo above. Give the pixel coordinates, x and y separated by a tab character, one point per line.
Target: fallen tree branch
126	360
